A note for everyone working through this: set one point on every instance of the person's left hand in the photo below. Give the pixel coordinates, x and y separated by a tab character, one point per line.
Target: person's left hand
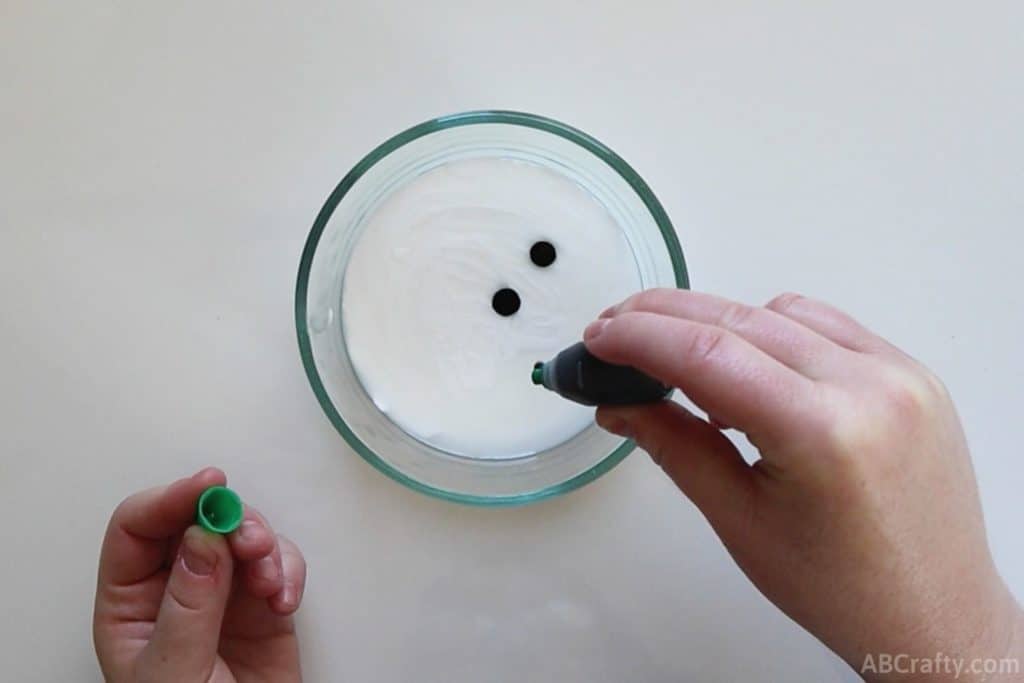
176	603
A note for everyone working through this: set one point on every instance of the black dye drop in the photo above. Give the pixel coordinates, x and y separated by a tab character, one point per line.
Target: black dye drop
543	254
505	302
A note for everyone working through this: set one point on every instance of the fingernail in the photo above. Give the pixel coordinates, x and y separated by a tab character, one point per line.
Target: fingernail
266	569
288	595
202	472
617	426
250	530
197	556
594	329
609	312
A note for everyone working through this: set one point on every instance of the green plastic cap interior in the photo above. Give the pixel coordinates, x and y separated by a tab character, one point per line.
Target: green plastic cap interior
219	510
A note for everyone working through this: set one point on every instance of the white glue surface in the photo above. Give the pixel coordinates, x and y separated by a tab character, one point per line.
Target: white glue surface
416	304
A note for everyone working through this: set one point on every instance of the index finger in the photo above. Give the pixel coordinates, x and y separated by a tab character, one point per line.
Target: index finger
141	527
721	372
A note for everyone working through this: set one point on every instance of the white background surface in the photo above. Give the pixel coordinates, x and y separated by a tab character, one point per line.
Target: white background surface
161	163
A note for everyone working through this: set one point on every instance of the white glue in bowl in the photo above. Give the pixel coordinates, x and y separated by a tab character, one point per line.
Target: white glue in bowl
447	262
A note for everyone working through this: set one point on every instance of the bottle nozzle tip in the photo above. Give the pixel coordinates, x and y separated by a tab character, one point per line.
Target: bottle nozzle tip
538	373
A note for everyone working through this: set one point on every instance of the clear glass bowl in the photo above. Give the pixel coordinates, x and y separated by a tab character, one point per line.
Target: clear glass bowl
318	297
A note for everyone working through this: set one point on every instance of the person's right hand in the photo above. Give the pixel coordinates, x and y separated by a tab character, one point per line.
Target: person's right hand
861	520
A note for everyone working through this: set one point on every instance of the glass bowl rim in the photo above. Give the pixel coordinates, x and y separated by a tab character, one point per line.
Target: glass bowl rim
514	118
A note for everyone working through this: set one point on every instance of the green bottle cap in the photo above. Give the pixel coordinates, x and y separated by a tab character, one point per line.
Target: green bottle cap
219	510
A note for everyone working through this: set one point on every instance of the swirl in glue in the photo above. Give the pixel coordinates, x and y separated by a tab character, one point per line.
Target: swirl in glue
421	302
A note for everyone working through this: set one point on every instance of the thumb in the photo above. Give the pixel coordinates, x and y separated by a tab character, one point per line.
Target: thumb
701	461
187	632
